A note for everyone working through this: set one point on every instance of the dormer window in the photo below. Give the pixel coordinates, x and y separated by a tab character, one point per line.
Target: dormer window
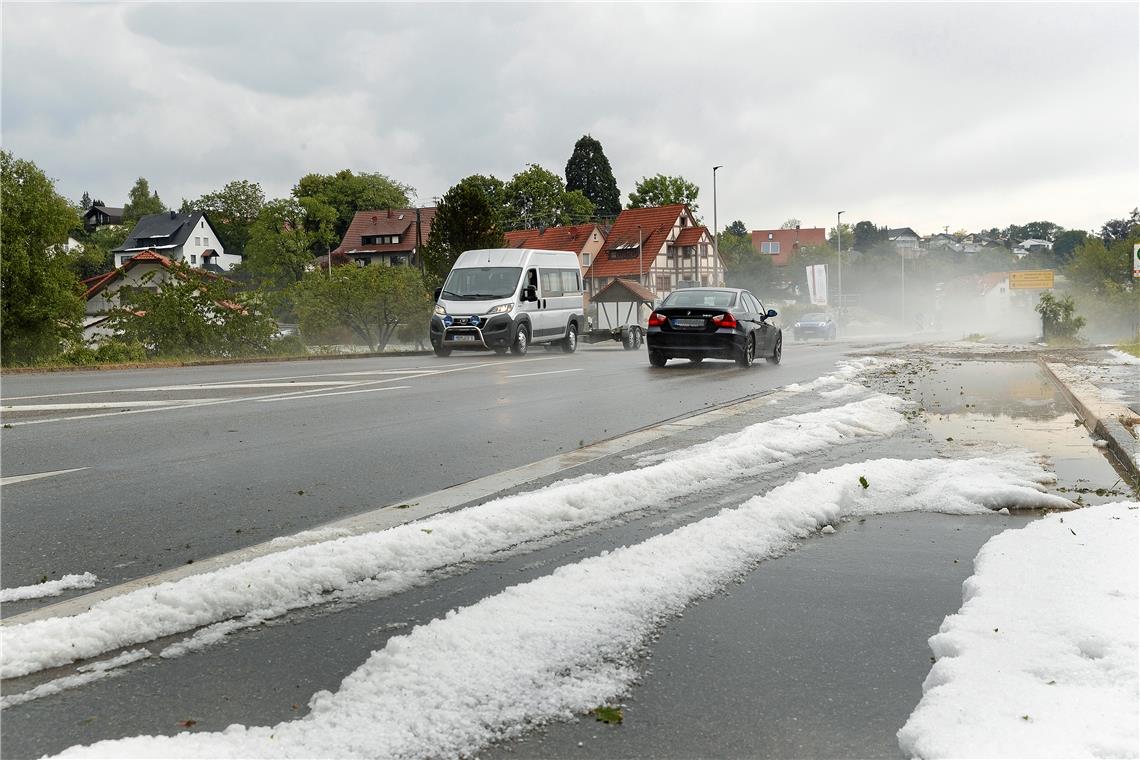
379	239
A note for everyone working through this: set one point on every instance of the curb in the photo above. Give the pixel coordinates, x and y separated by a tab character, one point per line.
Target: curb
1102	419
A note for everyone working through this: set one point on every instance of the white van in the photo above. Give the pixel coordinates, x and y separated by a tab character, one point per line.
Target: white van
508	298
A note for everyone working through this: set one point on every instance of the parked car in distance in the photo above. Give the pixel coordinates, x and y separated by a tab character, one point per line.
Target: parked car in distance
713	323
818	325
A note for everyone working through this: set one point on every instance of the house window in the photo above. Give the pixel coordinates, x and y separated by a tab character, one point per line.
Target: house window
205	241
585	259
704	250
688	251
399	260
663	283
361	262
684	221
197	240
767	247
193	259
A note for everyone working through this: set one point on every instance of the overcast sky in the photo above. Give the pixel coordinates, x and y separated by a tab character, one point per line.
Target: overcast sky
960	115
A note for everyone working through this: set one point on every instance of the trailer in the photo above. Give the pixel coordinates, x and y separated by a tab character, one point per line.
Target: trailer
615	313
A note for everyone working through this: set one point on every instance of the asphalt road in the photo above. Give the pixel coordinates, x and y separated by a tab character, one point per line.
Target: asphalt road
186	463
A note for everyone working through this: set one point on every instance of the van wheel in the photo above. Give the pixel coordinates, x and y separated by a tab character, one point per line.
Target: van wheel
570	342
521	341
441	351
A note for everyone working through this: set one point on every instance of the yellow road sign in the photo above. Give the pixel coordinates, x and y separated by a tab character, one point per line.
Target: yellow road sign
1031	279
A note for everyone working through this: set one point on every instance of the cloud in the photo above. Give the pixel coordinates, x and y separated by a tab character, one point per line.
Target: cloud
906	114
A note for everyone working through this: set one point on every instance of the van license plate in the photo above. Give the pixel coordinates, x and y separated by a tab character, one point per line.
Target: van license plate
459	338
689	322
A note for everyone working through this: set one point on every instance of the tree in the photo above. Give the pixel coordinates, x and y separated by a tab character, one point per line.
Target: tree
98	246
848	238
192	314
790	224
41	302
661	190
866	235
140	202
1100	268
736	228
346	193
85	201
232	211
536	197
1120	229
589	170
466	219
280	247
1066	243
1057	317
1033	231
371	301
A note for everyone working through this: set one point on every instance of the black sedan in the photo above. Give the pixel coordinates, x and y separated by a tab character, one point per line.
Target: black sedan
818	325
716	323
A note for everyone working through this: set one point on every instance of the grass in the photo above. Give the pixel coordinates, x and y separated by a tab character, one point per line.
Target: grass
1130	348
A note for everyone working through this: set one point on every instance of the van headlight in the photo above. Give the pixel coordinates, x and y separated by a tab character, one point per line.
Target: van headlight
440	311
503	308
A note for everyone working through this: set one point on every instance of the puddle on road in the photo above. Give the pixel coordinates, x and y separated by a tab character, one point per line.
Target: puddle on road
976	408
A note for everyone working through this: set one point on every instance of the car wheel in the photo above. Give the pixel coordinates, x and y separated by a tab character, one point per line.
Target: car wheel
778	351
657	359
521	341
570	342
747	355
441	351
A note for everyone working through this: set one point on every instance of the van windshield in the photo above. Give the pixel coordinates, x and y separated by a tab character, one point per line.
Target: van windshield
481	284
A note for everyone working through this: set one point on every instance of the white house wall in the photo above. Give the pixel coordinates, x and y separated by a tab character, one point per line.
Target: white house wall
105	300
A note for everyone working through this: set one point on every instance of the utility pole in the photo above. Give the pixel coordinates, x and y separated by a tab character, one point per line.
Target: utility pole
716	233
640	259
419	241
839	259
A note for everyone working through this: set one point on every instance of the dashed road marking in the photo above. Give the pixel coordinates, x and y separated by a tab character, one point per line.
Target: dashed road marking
36	476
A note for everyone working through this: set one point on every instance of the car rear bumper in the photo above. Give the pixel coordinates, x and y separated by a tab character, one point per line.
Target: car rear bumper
717	345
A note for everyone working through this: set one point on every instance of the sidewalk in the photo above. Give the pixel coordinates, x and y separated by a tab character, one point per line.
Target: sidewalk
1106	395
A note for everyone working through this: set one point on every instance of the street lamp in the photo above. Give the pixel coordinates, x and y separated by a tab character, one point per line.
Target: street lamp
839	259
716	232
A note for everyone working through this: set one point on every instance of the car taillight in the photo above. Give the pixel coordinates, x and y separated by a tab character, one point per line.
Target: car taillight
724	320
656	320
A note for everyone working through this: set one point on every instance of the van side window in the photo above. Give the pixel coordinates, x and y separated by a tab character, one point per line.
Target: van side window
531	279
570	281
551	283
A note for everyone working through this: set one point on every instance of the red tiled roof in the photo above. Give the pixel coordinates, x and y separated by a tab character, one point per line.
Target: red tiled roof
99	282
613	292
571	239
656	223
386	222
690	236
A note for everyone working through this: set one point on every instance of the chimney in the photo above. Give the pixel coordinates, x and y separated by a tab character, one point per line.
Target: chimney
375	219
389	213
173	214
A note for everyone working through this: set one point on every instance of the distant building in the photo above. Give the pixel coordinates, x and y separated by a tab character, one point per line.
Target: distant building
661	248
906	241
188	238
391	237
585	240
100	216
782	244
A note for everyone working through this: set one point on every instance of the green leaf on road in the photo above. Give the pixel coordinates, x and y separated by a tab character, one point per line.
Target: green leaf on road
863	482
607	714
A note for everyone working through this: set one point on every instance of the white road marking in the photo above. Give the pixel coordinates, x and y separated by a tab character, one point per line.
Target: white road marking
552	372
213	386
216	402
36	476
126	404
332	393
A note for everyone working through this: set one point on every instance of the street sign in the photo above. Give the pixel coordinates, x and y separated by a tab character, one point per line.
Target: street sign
817	284
1031	279
1136	261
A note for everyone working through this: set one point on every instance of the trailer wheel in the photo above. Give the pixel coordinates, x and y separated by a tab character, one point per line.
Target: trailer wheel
629	339
638	338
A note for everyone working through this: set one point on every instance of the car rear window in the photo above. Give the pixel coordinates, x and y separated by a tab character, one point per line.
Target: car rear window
716	298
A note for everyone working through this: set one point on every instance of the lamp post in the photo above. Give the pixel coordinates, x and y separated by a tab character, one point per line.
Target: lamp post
640	270
716	232
839	259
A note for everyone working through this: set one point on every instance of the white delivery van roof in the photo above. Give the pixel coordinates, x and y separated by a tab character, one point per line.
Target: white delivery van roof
515	257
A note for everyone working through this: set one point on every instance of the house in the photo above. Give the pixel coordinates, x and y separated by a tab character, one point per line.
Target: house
906	241
662	248
781	245
391	237
1026	247
585	240
188	238
100	216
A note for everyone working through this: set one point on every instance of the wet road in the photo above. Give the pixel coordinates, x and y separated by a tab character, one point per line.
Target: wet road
181	464
818	653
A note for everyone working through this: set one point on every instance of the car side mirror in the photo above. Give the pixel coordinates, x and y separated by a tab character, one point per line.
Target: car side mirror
437	293
771	313
529	293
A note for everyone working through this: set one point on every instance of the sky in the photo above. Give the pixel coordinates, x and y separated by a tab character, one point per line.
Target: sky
929	116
